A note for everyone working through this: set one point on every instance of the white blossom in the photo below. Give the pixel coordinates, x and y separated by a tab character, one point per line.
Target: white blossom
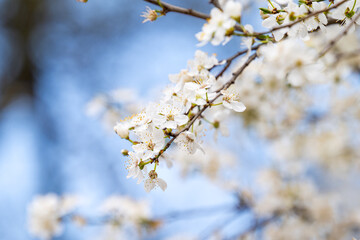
188	142
151	141
233	9
231	100
133	167
275	20
202	62
294	13
345	13
281	62
197	94
180	79
220	25
154	181
319	20
170	115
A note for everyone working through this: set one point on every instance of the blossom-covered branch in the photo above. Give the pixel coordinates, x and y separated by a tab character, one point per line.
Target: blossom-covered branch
235	75
301	19
166	7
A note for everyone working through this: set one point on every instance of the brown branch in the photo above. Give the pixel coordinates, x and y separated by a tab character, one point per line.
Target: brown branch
215	3
353	54
302	19
172	8
256	226
198	212
235	75
232	58
187	11
206	233
339	36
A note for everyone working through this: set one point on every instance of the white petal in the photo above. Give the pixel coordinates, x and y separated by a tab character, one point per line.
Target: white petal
227	105
149	185
238	106
139	148
169	124
162	184
270	22
279	34
181	119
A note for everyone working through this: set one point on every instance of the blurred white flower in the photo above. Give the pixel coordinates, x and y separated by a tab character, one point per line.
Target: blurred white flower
231	99
188	142
151	141
154	181
45	214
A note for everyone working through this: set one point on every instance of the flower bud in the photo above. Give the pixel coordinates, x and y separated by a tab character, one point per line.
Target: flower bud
125	152
122	130
153	174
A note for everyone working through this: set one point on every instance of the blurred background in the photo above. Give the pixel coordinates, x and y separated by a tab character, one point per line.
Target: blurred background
56	56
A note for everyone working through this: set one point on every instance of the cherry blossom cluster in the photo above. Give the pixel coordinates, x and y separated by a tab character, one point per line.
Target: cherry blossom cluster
221	24
288	19
173	118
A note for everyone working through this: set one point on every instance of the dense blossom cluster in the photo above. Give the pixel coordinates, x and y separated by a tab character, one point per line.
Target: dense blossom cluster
153	128
292	87
221	25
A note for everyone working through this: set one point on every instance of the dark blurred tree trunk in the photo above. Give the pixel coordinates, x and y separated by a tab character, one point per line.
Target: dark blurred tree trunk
22	80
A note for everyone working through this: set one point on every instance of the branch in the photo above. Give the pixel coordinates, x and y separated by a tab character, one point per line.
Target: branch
196	212
256	226
215	3
187	11
353	54
232	58
172	8
339	36
235	75
218	226
302	19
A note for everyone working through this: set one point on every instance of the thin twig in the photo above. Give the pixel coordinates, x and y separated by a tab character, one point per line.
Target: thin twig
187	11
232	58
256	226
339	36
215	3
218	226
172	8
195	212
235	75
352	54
